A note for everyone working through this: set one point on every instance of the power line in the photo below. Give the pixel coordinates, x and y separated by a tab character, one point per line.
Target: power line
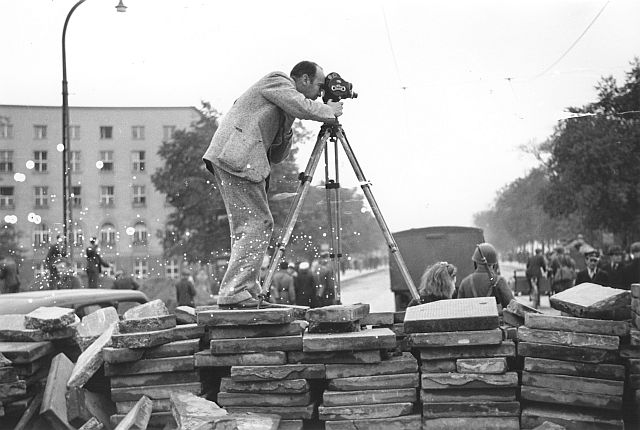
393	53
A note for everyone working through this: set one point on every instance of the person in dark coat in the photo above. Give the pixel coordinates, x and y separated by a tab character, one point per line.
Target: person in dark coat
185	290
304	285
592	273
325	283
123	282
282	286
615	268
57	253
535	266
95	263
632	268
9	275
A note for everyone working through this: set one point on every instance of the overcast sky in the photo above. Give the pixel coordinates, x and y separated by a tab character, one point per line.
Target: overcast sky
448	90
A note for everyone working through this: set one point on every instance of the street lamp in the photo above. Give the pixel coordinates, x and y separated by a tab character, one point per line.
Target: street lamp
67	214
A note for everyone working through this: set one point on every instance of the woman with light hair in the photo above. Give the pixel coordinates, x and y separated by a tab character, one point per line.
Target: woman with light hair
438	282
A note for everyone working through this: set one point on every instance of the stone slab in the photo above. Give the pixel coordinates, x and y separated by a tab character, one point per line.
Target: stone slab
25	352
376	338
569	338
457	338
172	349
580	325
138	325
153	391
8	374
92	424
520	309
571	419
470	409
157	405
190	411
495	365
153	365
573	383
549	426
407	422
168	377
467	395
635	290
185	315
29	408
257	344
291	425
154	308
4	361
379	382
506	349
83	404
298	311
441	381
254	421
221	317
281	386
50	318
94	324
259	399
288	412
378	319
387	410
206	359
90	360
138	417
13	329
287	371
405	363
295	328
158	337
478	313
568	353
438	366
27	369
12	390
475	423
54	404
368	397
511	318
157	420
334	327
335	357
633	364
337	313
572	368
589	300
570	398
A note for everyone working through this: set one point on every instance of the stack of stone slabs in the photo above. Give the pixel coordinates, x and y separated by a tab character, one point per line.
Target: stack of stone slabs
465	377
572	373
249	348
630	352
152	356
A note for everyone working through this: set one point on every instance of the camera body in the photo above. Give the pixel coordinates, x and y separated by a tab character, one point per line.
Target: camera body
336	88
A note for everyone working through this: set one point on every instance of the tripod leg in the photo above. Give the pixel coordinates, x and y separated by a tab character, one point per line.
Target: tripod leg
332	188
365	185
296	205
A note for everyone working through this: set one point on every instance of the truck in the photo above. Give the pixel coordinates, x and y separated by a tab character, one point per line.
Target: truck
422	247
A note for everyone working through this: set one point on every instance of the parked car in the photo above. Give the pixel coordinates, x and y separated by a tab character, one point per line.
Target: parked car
83	300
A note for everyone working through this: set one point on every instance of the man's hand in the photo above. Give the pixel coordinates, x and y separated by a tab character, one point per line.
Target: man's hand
336	107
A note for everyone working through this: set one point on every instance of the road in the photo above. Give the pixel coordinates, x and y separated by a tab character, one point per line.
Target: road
371	288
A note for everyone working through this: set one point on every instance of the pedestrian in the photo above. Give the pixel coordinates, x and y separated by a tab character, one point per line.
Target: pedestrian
591	273
255	133
632	269
325	283
9	274
282	286
484	281
95	263
438	282
123	282
67	278
535	266
304	285
56	253
615	268
563	271
185	290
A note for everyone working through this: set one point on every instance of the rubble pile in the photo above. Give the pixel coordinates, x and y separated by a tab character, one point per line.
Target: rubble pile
467	379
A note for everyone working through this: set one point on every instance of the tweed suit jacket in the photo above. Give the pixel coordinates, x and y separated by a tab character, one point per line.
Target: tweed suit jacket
257	129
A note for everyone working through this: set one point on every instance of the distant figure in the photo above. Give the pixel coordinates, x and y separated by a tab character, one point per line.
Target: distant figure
563	271
591	273
438	282
632	269
479	283
325	283
185	291
304	285
535	266
123	282
95	263
67	279
56	253
203	286
282	286
9	275
615	268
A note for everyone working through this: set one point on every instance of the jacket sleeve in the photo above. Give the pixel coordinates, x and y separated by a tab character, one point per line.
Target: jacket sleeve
279	90
281	146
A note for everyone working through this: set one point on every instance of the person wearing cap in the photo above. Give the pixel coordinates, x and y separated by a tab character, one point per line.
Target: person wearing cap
592	273
282	288
632	269
185	290
615	268
95	263
304	285
485	281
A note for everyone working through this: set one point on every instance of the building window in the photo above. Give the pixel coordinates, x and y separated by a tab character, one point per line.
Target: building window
40	161
106	132
75	161
138	161
172	268
6	131
107	161
139	197
108	234
40	235
78	236
39	132
42	196
107	195
74	132
6	198
6	161
140	234
76	197
167	132
140	268
137	132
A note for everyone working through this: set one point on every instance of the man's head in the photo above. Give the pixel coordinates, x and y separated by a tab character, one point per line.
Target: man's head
309	78
283	265
615	253
591	257
635	249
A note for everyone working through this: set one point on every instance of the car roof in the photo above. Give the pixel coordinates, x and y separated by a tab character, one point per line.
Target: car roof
22	303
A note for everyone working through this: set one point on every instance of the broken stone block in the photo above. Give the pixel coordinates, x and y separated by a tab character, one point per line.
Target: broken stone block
457	338
243	317
547	425
286	412
157	420
573	383
25	352
471	409
403	364
521	309
50	318
568	353
376	338
138	417
282	386
357	412
589	300
486	423
153	391
13	329
407	422
571	418
206	359
378	319
158	405
154	308
496	365
8	374
295	328
555	396
467	395
186	315
260	399
506	349
152	365
92	424
83	405
254	421
335	357
94	324
167	378
191	412
54	404
568	338
435	381
143	340
138	325
90	360
337	313
572	368
331	327
4	361
368	397
438	366
286	371
13	389
480	313
257	344
178	348
579	325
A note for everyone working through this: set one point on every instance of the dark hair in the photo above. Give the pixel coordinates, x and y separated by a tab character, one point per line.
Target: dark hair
304	68
284	265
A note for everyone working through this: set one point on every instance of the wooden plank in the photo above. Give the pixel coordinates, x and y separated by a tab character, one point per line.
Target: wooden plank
50	318
295	328
475	423
439	381
168	377
378	319
258	344
573	383
286	412
25	352
161	322
438	366
138	417
287	371
377	338
368	397
572	368
405	363
570	398
579	325
569	338
570	418
261	399
153	391
589	300
358	412
172	349
407	422
568	353
206	359
478	313
90	360
379	382
458	338
506	349
282	386
466	395
335	357
54	404
337	313
471	409
152	365
221	317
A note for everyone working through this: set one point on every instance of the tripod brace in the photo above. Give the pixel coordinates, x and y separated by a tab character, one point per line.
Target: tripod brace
333	131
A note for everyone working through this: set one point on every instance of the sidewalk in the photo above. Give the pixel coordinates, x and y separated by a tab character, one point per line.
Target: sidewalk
353	273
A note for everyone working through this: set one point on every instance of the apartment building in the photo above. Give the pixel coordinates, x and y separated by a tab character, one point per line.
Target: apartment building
113	155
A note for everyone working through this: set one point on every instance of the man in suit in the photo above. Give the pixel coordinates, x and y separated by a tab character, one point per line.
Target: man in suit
255	133
632	269
615	268
592	273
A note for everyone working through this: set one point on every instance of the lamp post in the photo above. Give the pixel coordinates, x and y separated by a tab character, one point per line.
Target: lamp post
67	213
